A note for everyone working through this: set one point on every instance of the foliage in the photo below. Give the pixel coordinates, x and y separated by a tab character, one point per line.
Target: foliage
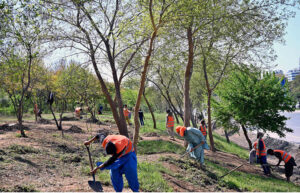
254	100
295	88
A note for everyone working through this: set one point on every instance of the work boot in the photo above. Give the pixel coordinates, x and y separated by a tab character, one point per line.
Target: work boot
202	166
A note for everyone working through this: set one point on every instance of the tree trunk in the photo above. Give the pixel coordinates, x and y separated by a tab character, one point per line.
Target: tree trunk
150	109
56	122
226	135
118	117
20	121
211	138
143	77
193	118
246	136
187	78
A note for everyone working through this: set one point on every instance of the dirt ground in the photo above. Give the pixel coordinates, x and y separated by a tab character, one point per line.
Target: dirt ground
52	163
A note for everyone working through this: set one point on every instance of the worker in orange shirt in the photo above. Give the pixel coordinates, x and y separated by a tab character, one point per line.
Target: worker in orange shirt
126	114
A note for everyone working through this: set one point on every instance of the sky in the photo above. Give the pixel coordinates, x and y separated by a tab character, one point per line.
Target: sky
289	54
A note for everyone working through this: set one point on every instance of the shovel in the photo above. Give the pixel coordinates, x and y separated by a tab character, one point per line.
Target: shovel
231	171
96	186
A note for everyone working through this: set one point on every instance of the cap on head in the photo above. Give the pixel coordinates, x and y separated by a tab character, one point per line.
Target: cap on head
270	151
101	138
260	134
180	130
110	148
202	121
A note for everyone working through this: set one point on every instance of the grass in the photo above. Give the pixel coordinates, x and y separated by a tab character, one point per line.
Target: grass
251	182
222	145
159	146
160	124
19	149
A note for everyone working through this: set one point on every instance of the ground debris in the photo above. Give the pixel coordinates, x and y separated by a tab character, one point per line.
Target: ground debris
12	126
75	129
152	134
43	121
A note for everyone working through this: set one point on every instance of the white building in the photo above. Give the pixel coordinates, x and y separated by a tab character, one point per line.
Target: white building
291	74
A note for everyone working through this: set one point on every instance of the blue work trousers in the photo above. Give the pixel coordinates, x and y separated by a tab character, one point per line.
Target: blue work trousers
127	165
263	162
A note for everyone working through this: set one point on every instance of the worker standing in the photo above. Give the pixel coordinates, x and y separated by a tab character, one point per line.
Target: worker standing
202	128
194	137
123	160
142	117
288	160
170	124
126	113
261	153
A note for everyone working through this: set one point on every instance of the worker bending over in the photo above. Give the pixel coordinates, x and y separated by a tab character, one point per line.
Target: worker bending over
123	160
288	160
194	137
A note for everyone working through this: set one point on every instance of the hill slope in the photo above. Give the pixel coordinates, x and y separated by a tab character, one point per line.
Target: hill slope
47	162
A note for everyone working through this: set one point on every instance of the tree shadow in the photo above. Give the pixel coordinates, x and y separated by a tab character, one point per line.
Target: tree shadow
20	159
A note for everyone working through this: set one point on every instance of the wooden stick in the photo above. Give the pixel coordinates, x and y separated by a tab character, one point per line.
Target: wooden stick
231	171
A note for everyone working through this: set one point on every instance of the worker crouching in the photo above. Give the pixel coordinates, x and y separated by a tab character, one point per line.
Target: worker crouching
123	160
196	142
288	160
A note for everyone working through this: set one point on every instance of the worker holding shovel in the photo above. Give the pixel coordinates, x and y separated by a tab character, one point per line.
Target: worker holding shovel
123	160
196	142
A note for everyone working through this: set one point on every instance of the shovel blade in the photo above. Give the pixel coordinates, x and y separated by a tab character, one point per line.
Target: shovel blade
96	186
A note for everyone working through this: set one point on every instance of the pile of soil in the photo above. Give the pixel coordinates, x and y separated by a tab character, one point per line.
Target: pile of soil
11	127
43	121
93	120
152	134
75	129
69	119
5	127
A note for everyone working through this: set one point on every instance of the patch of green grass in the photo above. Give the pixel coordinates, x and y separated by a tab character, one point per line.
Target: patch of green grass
150	178
160	146
251	182
160	124
19	149
18	135
222	145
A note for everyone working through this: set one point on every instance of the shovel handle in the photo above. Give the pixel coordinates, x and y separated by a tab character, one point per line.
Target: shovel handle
191	151
90	159
91	162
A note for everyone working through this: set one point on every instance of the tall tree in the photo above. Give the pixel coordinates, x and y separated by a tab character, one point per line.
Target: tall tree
255	102
156	17
101	31
25	28
236	33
